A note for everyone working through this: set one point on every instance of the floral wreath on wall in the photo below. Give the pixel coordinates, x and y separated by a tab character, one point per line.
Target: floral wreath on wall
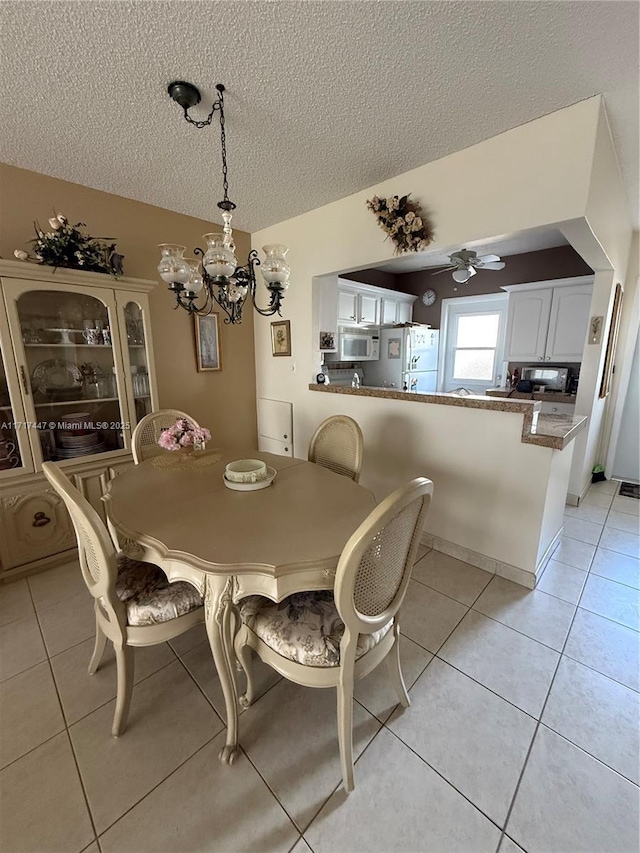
404	221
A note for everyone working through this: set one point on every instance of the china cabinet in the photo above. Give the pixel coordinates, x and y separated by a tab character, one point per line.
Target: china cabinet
76	375
548	320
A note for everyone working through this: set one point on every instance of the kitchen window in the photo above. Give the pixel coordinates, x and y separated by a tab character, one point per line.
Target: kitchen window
473	334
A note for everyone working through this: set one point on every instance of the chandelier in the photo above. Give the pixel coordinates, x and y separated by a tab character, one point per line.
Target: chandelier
214	276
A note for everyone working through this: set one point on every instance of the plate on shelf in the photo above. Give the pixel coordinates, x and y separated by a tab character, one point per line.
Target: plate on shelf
252	487
56	374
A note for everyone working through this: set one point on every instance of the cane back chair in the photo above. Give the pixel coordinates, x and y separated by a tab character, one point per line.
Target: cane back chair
332	639
337	444
144	441
134	603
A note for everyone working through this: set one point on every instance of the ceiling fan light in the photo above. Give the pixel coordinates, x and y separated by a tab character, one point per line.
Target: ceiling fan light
461	276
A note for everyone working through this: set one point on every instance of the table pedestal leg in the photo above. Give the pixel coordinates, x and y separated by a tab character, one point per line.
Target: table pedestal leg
218	617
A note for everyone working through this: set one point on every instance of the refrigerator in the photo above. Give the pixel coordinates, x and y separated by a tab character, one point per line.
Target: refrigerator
408	357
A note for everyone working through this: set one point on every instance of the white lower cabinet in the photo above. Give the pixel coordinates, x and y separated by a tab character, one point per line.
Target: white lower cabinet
272	445
35	524
35	528
275	426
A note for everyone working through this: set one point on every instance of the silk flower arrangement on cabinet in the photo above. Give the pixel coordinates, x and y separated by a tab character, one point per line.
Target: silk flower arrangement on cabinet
66	246
404	221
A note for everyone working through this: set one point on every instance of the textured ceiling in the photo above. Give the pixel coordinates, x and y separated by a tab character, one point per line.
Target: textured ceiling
324	98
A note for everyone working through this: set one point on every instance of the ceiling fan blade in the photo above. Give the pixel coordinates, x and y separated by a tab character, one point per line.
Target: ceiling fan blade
493	266
446	269
489	258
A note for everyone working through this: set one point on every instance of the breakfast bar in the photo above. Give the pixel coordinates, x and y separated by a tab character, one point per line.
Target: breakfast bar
500	469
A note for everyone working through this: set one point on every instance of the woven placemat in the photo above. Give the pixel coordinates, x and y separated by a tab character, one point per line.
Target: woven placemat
178	460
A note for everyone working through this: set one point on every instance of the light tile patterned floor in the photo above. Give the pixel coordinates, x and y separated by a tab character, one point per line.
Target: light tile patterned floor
522	734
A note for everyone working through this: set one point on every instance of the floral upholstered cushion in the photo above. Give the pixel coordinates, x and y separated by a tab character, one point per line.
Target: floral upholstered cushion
148	595
305	627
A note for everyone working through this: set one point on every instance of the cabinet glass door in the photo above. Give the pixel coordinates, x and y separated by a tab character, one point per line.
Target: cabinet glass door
70	372
138	360
14	444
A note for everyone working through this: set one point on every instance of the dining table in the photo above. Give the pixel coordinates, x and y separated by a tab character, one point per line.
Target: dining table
176	511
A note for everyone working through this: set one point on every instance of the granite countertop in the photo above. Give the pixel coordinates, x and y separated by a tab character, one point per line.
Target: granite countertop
548	397
554	431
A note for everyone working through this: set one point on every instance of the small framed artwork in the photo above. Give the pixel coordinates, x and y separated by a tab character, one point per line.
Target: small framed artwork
393	347
281	338
207	343
327	341
612	340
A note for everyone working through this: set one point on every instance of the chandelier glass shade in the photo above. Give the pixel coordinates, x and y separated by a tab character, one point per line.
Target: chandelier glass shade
214	277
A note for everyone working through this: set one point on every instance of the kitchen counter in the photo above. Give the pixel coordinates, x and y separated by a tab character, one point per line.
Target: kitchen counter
548	397
553	431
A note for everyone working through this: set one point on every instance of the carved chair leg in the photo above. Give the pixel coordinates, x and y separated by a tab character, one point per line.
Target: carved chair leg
395	673
245	658
125	664
98	649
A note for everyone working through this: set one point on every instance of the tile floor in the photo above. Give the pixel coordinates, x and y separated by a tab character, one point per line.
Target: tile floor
522	734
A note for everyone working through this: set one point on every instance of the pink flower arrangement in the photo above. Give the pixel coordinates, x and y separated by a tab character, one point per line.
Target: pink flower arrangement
184	434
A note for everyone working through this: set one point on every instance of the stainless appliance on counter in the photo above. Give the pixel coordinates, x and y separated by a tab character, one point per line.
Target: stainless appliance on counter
553	378
408	360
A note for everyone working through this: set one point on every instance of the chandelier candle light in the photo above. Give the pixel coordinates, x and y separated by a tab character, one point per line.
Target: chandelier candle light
215	275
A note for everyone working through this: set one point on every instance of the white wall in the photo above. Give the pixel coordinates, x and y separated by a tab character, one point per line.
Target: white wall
539	174
604	241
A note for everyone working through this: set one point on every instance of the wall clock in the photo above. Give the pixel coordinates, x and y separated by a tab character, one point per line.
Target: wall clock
429	297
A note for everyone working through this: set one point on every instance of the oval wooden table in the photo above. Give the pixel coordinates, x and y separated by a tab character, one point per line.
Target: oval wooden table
175	511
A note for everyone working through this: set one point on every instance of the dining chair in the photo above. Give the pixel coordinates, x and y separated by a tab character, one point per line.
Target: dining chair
334	638
134	603
145	436
337	444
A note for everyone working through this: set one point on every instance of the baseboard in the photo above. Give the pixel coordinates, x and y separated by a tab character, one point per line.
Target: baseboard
481	561
37	566
542	564
576	500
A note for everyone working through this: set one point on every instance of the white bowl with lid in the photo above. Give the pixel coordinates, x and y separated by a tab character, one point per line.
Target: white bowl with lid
246	471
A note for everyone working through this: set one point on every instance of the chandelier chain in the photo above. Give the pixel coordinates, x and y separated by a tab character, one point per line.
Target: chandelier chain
223	141
205	122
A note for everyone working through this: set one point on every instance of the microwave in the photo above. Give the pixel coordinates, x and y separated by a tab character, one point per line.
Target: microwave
358	344
553	378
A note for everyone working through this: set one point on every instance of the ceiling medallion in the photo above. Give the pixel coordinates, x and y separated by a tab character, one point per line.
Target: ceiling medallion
214	277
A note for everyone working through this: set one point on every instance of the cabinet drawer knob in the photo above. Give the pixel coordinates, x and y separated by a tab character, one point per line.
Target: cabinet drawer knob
285	437
40	520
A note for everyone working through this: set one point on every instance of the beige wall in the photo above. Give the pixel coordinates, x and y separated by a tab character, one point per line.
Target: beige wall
224	401
543	171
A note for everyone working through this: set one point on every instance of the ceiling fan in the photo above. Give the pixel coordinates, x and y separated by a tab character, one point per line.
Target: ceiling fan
465	263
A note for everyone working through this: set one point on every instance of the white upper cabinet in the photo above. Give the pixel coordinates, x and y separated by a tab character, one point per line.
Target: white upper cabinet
347	306
372	306
548	321
568	323
405	310
368	309
528	324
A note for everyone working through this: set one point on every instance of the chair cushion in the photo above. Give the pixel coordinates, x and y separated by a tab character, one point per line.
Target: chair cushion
149	597
305	627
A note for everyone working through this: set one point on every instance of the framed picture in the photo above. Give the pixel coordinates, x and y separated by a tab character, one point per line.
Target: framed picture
207	342
394	346
281	338
605	385
327	341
